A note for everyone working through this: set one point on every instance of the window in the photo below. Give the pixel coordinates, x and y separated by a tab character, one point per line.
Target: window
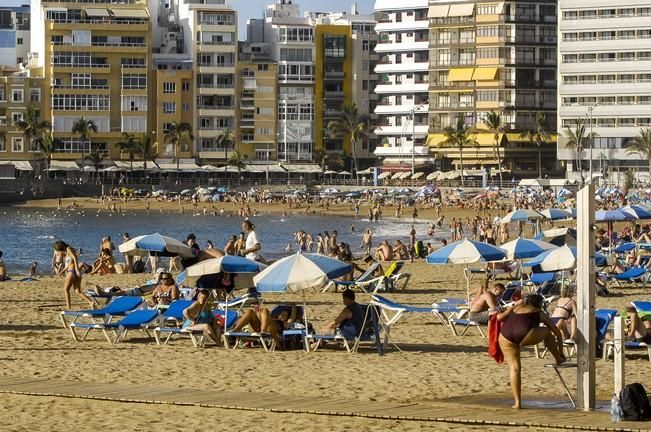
134	124
264	131
134	103
169	107
169	87
296	54
264	111
16	117
364	45
134	81
19	41
80	102
185	86
80	80
17	145
365	85
186	107
34	95
3	144
17	95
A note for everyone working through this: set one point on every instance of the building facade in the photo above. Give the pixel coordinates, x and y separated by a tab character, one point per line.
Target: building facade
14	35
403	106
97	59
605	82
499	57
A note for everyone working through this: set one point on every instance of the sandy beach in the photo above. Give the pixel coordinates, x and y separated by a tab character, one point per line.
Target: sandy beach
434	365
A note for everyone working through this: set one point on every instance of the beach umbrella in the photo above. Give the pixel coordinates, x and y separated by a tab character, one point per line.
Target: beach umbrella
556	214
466	252
330	172
612	216
222	189
225	264
636	211
526	248
299	272
562	258
155	245
185	192
558	236
521	215
344	173
404	190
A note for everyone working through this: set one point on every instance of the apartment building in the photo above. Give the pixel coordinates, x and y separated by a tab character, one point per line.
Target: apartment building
605	81
97	59
403	107
488	56
14	35
345	62
258	106
19	91
209	29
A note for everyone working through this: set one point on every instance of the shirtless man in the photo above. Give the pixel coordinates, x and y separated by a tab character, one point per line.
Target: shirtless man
412	236
231	248
384	252
367	241
485	304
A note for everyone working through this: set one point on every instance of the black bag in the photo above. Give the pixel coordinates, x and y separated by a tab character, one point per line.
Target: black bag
634	403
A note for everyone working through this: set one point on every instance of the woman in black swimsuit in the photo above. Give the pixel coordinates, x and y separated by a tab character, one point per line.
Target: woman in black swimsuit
522	328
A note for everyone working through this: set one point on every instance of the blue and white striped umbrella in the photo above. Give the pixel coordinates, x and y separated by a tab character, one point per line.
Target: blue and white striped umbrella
556	214
612	216
155	245
526	248
562	258
299	272
225	264
638	212
466	252
521	215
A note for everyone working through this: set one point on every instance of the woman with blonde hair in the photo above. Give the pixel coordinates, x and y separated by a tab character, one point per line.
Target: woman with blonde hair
73	277
564	314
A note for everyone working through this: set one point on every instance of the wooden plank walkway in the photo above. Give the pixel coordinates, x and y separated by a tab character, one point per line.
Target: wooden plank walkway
474	410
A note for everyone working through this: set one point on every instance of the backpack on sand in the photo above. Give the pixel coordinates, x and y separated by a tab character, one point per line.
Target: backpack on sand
634	403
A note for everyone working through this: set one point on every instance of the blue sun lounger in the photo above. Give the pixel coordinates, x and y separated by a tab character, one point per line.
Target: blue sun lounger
119	306
637	276
363	281
643	309
171	322
136	320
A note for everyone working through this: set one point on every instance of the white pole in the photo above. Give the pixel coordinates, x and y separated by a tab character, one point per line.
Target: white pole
618	355
585	282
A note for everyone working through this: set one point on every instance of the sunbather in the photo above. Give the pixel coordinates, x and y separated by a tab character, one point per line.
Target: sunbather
349	322
261	320
104	264
384	252
522	328
639	330
165	292
140	291
485	304
3	270
564	314
199	317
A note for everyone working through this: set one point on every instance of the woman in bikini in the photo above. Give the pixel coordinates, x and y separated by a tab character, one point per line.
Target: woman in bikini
199	317
564	314
58	258
261	320
165	292
73	277
522	328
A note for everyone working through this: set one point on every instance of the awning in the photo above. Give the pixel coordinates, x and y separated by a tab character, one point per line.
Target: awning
63	165
20	165
130	13
484	74
474	161
303	168
96	12
137	165
487	138
461	74
463	9
56	9
272	168
434	140
438	11
182	167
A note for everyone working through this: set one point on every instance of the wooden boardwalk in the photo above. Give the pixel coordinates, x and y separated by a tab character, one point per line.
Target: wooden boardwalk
468	410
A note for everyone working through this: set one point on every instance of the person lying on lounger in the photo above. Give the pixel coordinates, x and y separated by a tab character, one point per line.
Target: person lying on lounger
199	317
140	291
260	320
485	303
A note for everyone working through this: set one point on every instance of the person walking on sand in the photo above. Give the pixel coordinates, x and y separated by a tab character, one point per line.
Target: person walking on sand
73	278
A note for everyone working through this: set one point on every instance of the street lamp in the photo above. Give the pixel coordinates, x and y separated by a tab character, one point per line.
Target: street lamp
413	137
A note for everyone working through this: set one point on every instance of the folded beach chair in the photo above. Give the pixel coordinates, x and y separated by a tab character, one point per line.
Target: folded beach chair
512	271
369	334
119	306
366	281
393	275
243	301
136	320
637	276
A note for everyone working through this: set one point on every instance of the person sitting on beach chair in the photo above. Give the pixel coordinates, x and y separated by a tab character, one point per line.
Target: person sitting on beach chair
199	317
260	320
165	292
485	303
350	320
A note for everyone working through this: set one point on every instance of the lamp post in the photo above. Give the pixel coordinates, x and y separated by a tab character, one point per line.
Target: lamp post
413	138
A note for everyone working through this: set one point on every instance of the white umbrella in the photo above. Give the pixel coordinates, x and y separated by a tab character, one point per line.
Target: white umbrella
344	173
521	215
384	175
155	245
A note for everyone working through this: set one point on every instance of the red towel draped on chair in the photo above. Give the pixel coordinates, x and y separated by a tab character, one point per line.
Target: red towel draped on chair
494	328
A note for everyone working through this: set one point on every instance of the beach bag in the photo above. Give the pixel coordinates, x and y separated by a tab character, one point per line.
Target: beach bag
634	403
494	329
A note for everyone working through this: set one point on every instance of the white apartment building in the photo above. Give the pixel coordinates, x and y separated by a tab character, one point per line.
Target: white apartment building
403	71
604	78
209	29
14	35
291	40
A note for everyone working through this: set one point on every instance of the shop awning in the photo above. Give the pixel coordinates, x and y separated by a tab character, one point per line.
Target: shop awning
461	74
303	168
56	9
272	168
96	13
63	165
137	165
20	165
438	11
129	13
463	9
182	167
484	74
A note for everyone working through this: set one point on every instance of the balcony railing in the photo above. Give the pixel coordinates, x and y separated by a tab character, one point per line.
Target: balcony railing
216	64
217	85
101	22
103	44
215	107
75	65
81	87
222	43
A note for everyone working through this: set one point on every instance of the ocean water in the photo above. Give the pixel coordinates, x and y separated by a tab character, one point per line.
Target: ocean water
27	235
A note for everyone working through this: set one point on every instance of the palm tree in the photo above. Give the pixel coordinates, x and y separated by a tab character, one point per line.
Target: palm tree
575	140
146	148
84	128
493	122
45	146
459	137
641	144
95	157
128	144
226	140
238	161
32	126
177	134
538	135
351	124
328	160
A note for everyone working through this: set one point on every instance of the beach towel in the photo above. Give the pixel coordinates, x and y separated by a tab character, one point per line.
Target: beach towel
494	328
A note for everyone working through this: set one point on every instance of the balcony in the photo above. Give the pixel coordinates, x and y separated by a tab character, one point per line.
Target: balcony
334	75
334	94
295	78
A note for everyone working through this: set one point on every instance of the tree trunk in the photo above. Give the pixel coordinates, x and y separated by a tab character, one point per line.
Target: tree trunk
499	157
178	151
353	144
461	160
539	161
